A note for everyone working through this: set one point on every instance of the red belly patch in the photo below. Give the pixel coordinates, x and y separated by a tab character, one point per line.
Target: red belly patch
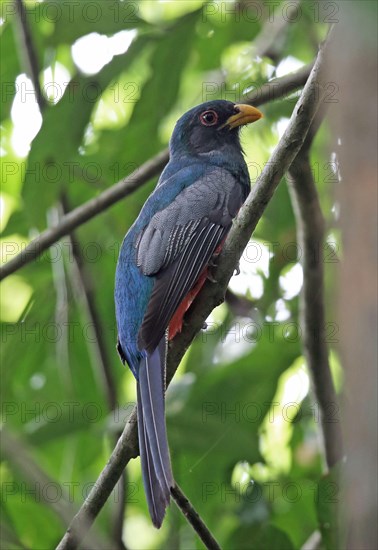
175	326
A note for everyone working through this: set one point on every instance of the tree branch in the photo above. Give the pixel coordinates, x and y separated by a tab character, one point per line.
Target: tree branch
29	56
310	237
278	88
272	36
212	294
275	89
194	519
85	212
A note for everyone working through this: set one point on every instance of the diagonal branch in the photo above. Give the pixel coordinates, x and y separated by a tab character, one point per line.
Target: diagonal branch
85	212
310	236
270	91
211	294
193	518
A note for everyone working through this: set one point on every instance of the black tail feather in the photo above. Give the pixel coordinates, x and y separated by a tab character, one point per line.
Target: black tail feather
156	465
155	500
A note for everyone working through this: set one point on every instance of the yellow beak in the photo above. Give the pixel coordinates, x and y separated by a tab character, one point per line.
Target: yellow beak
246	115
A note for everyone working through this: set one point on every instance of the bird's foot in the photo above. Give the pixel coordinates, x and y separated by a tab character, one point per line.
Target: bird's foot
210	277
237	270
204	326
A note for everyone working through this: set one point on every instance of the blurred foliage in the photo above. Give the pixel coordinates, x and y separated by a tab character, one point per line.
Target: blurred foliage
243	427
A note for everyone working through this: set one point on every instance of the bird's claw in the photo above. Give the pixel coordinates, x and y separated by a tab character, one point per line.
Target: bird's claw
211	277
237	270
204	326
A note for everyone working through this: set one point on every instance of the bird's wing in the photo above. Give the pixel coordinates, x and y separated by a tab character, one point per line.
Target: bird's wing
178	244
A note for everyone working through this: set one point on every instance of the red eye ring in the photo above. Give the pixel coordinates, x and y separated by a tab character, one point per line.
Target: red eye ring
208	118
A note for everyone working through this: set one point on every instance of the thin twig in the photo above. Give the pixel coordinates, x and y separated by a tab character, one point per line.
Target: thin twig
29	55
310	236
269	91
271	38
193	518
85	212
58	276
278	88
84	284
211	294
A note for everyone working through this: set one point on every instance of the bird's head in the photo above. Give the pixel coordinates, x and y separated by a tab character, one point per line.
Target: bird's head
211	126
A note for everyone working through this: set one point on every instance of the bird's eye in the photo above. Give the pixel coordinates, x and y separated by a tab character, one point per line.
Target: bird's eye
209	118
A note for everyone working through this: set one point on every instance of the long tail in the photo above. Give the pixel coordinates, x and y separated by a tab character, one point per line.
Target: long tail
153	444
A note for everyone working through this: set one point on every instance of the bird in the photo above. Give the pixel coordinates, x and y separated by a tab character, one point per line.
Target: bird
164	262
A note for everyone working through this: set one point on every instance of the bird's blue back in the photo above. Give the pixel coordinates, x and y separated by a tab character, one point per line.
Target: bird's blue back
132	288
